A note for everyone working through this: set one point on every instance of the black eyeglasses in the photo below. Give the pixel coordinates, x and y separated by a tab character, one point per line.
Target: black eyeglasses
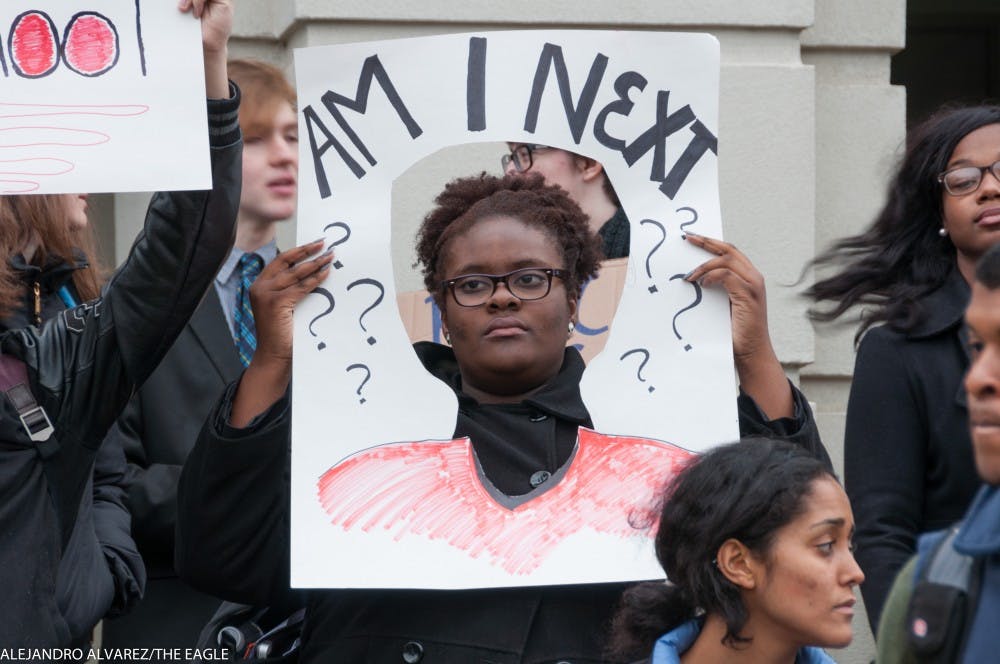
522	156
528	283
966	179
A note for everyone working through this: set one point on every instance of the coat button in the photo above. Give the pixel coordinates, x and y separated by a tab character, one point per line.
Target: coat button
413	652
539	478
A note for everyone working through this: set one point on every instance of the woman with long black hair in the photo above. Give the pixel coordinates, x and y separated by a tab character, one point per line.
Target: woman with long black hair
908	457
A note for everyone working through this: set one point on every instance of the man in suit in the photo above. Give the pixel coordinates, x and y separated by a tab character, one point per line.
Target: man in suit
163	419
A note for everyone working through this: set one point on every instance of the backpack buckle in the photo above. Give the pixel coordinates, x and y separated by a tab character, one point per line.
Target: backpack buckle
36	423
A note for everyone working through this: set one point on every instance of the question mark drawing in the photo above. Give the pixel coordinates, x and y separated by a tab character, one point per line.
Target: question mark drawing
697	301
368	375
325	293
642	365
378	301
649	273
347	236
694	216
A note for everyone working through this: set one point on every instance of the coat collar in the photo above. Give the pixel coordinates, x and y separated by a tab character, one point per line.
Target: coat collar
980	531
944	308
560	397
53	274
673	644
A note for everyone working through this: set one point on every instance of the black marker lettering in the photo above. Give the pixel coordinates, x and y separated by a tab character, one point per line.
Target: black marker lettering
703	141
371	69
312	120
475	85
623	106
655	136
578	114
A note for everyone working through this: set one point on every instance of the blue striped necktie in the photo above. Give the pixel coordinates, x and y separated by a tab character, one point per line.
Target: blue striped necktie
249	267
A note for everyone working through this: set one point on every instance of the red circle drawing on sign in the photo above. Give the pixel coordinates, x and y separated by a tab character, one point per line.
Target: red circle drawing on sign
33	44
90	44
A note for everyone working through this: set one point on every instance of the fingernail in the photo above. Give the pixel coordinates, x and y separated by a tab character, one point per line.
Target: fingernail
688	275
320	239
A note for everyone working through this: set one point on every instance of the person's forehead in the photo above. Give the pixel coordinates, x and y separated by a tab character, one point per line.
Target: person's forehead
983	313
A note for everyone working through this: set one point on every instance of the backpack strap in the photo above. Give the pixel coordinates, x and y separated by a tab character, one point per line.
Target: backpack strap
14	384
944	600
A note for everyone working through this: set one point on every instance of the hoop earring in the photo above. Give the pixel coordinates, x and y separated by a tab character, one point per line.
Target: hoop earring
943	232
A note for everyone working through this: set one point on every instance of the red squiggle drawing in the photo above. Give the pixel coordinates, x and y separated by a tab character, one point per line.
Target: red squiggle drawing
31	137
433	490
26	187
45	110
43	162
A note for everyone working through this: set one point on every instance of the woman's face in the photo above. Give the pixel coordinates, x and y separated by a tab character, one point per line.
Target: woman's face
973	220
804	593
76	210
506	347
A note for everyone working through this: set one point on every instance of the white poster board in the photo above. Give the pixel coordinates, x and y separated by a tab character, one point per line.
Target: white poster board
646	106
105	95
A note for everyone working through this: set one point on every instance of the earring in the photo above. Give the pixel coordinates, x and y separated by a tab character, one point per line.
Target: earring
571	327
447	337
943	232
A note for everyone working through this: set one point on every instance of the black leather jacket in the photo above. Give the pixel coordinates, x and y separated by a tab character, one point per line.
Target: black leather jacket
83	366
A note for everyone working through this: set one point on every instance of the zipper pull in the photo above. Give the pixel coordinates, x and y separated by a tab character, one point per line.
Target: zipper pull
38	304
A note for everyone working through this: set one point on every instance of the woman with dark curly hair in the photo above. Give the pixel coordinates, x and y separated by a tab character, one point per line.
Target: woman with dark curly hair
908	457
755	538
505	259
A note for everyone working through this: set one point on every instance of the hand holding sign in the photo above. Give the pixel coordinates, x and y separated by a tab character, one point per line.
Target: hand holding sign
282	284
216	23
756	362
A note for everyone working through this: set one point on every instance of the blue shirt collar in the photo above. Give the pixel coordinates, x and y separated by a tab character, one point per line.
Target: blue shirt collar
669	647
267	252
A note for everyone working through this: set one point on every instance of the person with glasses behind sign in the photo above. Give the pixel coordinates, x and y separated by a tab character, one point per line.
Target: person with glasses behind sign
908	458
586	183
505	259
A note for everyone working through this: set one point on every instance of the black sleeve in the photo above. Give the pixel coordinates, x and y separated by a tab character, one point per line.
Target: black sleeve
152	495
112	525
884	457
800	429
232	536
85	363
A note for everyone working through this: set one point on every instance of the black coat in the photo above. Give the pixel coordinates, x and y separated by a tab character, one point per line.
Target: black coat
233	538
101	572
908	466
83	366
157	430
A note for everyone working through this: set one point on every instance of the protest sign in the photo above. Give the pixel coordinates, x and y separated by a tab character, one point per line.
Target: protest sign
101	96
643	104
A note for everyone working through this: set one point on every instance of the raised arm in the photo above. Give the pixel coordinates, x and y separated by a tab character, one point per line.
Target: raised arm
280	286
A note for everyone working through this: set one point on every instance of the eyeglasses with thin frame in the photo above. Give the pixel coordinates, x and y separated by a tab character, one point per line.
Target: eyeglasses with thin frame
522	156
526	284
966	179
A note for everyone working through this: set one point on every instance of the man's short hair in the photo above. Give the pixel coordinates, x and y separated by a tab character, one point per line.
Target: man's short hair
988	268
264	88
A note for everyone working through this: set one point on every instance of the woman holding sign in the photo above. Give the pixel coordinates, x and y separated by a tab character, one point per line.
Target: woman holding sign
66	378
505	259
